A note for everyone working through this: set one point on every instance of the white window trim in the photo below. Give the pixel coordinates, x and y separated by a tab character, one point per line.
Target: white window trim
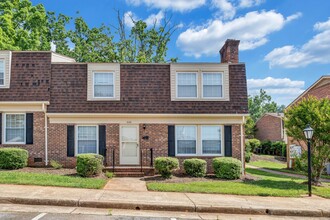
113	87
4	72
176	141
76	138
222	90
177	85
221	141
4	128
199	146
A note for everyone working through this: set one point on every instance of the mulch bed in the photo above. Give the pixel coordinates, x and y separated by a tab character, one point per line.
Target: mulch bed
187	179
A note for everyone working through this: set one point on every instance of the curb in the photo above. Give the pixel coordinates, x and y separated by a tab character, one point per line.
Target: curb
165	207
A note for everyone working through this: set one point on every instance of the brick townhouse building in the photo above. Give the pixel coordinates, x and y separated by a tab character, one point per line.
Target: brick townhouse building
271	127
130	113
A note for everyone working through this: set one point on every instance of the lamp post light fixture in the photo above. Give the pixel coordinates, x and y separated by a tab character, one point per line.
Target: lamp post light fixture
308	131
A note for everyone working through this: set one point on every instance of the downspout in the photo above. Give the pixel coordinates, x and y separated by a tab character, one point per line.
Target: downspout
46	134
242	147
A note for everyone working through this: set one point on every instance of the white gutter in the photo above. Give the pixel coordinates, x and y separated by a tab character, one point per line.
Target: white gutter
44	108
242	147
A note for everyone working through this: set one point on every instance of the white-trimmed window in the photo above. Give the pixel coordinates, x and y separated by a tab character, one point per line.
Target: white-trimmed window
212	85
2	72
186	139
103	85
87	139
14	128
186	85
211	139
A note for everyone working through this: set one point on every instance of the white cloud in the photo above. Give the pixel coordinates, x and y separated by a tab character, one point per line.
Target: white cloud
274	82
316	50
227	9
150	21
155	19
294	16
250	3
282	90
252	29
174	5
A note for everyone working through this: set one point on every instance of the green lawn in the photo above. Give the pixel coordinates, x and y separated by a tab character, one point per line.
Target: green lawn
281	167
268	185
24	178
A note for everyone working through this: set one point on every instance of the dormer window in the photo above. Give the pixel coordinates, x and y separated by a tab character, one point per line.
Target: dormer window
187	85
103	85
212	85
2	72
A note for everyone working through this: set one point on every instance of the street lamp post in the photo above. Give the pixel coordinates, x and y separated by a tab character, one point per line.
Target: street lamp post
308	131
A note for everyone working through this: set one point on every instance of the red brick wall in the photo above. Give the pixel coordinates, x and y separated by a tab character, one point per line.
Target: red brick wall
158	140
269	128
37	149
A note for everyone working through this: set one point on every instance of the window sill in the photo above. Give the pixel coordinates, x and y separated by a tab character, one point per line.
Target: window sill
203	155
14	143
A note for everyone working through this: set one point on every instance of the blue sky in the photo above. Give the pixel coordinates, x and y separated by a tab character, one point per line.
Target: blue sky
284	43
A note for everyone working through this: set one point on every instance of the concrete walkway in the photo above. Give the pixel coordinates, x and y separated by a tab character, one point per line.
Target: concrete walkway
131	184
284	174
165	201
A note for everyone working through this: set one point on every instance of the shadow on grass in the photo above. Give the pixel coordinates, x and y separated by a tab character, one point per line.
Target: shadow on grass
262	173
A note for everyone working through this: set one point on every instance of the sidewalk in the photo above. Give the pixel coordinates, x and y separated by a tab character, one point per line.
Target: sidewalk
164	201
283	173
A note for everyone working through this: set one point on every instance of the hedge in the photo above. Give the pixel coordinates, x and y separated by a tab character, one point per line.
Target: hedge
227	168
13	158
195	167
89	164
166	165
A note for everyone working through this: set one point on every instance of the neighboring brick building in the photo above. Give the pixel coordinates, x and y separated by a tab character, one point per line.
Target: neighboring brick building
320	89
271	127
57	108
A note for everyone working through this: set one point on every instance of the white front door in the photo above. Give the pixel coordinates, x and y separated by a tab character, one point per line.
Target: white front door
129	145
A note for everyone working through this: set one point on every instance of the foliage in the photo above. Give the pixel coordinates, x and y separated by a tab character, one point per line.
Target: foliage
250	128
13	158
227	168
166	165
89	164
261	104
279	148
247	156
315	112
46	179
55	164
253	144
23	26
110	175
195	167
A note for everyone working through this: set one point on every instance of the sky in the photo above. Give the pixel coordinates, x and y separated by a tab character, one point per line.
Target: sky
285	44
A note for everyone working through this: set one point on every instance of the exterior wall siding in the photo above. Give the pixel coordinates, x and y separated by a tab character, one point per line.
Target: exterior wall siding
158	140
269	128
37	149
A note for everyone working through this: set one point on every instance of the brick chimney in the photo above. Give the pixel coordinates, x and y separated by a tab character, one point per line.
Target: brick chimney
229	51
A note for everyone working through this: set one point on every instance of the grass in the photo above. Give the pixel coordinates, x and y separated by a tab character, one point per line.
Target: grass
268	185
24	178
281	167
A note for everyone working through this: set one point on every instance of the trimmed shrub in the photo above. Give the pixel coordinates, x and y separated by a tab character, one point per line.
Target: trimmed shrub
266	147
13	158
195	167
166	165
248	156
89	164
278	146
227	168
253	144
55	164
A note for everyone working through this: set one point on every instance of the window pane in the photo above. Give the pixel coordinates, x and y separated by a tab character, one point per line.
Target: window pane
211	139
186	139
15	128
187	86
2	72
212	85
103	85
87	139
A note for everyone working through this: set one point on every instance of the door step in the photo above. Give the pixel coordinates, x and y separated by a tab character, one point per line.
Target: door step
122	171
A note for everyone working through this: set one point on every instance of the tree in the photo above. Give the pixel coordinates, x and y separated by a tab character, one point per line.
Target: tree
250	128
316	113
23	26
260	104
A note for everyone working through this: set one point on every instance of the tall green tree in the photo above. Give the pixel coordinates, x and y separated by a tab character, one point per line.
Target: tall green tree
260	104
316	113
23	26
